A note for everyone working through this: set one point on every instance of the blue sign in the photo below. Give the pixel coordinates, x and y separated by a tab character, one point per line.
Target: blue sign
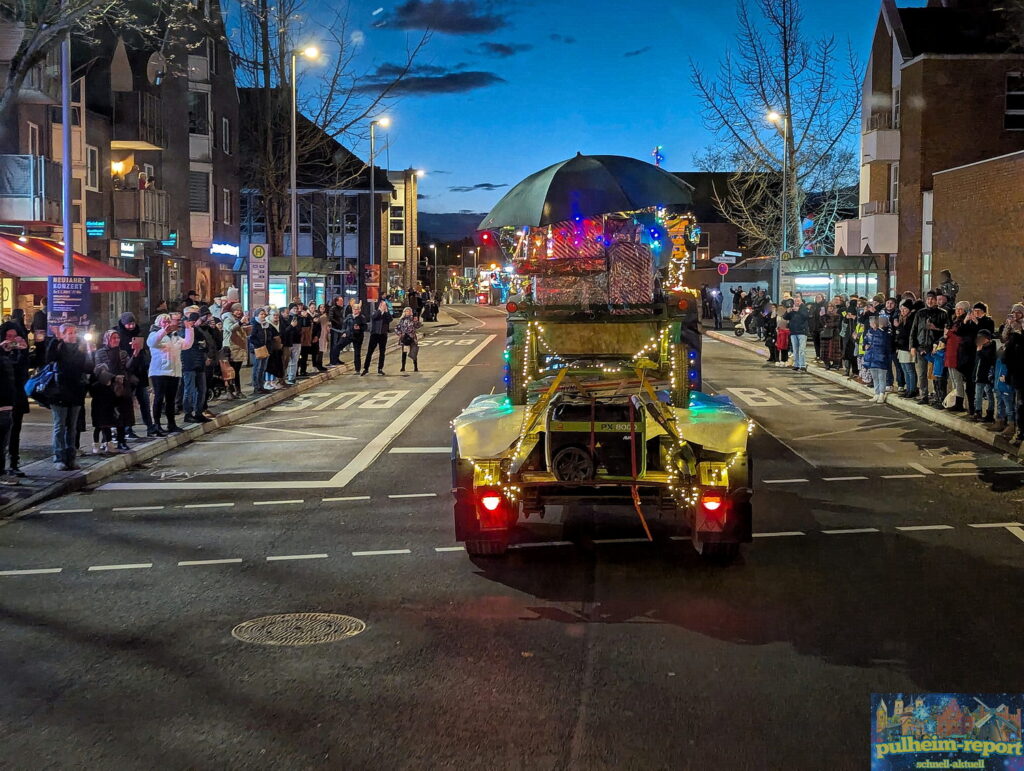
95	228
171	240
67	302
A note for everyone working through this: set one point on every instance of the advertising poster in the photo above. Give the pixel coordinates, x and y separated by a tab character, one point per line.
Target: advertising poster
371	275
67	302
946	730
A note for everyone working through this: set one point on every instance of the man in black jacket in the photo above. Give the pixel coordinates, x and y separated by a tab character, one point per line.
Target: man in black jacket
380	326
928	329
194	362
337	318
799	326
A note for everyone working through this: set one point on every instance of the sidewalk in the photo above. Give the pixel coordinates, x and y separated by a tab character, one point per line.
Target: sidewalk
43	481
932	415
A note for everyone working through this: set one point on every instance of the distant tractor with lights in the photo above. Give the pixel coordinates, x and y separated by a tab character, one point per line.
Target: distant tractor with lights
602	403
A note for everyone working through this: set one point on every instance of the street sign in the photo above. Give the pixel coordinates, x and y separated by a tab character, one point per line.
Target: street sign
787	256
259	275
727	258
722	269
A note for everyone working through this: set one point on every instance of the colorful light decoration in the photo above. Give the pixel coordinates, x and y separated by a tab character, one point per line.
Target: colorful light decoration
658	156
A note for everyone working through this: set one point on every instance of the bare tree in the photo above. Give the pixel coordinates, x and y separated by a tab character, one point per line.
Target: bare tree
812	87
335	100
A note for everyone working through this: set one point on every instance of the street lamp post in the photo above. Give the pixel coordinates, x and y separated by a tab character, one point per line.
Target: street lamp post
783	120
309	52
433	249
383	123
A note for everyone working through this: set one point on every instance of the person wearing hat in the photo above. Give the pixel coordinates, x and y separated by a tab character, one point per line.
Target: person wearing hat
165	347
926	333
984	377
959	357
133	343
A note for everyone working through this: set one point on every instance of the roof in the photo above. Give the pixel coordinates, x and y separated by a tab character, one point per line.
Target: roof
954	31
33	260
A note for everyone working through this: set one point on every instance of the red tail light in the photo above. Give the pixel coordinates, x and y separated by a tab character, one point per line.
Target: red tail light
491	502
493	510
511	307
714	504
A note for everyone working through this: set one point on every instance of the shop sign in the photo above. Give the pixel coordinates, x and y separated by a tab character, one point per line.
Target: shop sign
171	240
95	228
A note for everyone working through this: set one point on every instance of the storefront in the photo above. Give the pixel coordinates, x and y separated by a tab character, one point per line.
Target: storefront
831	275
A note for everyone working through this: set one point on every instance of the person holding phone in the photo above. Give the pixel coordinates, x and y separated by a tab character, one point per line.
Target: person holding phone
380	325
165	345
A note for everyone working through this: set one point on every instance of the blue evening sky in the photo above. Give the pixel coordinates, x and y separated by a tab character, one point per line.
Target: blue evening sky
621	86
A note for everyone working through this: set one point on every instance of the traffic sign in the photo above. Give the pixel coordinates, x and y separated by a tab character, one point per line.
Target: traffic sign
726	258
722	269
787	256
259	275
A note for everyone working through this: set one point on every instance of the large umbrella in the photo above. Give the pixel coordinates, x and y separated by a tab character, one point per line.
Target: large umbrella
586	186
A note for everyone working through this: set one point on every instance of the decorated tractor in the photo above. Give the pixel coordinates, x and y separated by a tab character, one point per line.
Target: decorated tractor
603	369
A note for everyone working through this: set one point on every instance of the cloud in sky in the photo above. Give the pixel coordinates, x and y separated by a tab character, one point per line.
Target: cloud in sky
457	17
500	50
478	186
357	38
558	38
637	52
443	82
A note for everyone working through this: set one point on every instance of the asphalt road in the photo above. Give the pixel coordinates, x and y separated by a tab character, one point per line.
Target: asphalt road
886	560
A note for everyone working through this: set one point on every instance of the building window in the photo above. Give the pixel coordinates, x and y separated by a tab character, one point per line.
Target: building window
225	135
1014	118
398	226
397	239
895	108
703	253
305	214
33	139
894	187
211	55
198	112
199	192
398	212
351	224
150	172
92	168
253	220
225	204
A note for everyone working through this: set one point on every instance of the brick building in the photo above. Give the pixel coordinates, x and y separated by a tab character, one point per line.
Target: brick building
943	89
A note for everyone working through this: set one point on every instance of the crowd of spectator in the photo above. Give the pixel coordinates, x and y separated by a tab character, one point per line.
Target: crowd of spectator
174	369
945	352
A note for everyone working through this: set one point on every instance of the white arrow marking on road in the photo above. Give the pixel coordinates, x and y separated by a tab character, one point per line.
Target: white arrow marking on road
919	467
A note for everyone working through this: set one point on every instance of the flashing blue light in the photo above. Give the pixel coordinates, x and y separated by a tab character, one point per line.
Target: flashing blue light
693	374
508	380
693	355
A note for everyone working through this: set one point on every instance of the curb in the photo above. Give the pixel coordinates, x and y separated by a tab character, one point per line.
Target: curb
111	466
938	417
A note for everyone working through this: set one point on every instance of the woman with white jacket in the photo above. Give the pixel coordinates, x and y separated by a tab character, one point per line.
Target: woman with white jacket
166	345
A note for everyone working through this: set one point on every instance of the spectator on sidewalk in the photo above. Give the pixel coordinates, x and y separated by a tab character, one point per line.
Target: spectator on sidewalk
715	305
816	310
984	377
878	354
354	331
949	287
195	362
901	326
261	340
133	343
165	347
307	333
236	345
830	334
959	357
380	324
73	369
322	323
38	329
112	395
927	330
337	319
408	338
15	350
799	326
1006	407
291	341
1012	334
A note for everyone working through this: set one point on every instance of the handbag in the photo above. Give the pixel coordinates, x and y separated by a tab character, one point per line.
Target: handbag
827	333
227	372
782	339
276	344
407	340
44	386
261	352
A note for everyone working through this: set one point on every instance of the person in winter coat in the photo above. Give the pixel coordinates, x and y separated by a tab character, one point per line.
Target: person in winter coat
878	354
38	329
322	322
815	315
291	340
799	327
14	361
112	395
1012	334
278	361
408	338
959	356
353	330
770	330
1006	408
307	335
337	317
73	368
984	377
380	324
830	333
165	347
261	340
194	363
901	343
236	345
133	343
926	332
949	287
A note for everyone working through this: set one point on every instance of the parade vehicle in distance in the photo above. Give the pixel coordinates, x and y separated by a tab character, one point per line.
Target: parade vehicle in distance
602	404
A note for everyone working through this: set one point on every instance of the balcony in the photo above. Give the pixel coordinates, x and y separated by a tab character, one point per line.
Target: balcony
138	122
41	84
848	237
141	214
879	227
30	188
880	142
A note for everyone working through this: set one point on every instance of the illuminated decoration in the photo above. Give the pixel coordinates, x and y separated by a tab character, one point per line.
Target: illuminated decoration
95	228
658	156
225	250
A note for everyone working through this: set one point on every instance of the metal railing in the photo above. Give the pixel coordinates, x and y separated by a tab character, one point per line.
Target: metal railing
141	214
882	121
879	207
30	188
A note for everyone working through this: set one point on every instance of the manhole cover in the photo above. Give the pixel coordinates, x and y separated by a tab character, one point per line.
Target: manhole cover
298	629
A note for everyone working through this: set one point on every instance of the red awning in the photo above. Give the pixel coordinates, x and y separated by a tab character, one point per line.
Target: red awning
33	260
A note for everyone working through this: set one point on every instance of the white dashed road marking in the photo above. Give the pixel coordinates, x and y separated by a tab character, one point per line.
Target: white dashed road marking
380	552
205	505
996	524
960	474
1017	531
129	566
277	503
919	467
449	548
534	544
415	495
420	451
65	511
910	528
782	481
902	476
35	572
191	563
851	531
346	498
841	479
297	557
137	508
779	534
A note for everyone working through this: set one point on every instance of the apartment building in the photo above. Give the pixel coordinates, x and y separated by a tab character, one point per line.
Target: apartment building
943	89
